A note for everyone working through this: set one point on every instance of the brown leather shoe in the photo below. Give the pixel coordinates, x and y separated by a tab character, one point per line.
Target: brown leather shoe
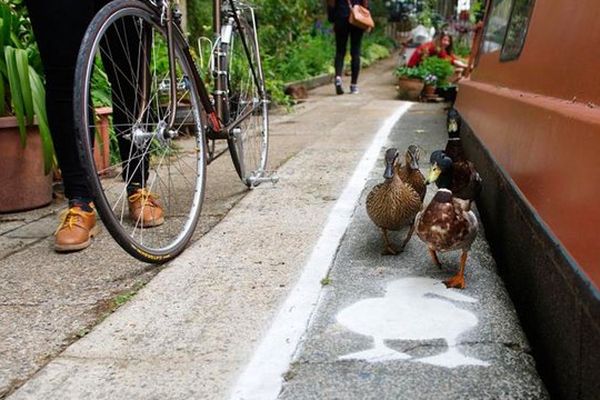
144	209
76	229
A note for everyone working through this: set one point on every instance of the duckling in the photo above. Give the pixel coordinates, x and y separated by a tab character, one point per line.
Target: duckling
393	204
410	173
460	176
447	224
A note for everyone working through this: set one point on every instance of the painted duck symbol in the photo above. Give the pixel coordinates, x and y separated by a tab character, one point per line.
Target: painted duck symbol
409	312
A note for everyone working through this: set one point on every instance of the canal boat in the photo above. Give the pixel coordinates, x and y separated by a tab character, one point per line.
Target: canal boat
530	112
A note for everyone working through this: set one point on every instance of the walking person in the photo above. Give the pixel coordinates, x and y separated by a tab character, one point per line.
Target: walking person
339	12
59	27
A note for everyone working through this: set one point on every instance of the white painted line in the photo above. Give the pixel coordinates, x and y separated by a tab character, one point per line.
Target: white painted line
262	378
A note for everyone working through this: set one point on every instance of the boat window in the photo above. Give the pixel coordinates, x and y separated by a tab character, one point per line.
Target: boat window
517	30
496	25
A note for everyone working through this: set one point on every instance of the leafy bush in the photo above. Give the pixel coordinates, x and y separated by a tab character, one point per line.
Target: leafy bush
439	67
411	72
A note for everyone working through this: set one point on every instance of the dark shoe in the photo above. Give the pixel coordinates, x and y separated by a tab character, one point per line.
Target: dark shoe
338	86
76	229
144	209
354	89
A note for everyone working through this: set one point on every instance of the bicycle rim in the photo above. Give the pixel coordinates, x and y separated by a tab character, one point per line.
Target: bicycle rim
248	143
123	67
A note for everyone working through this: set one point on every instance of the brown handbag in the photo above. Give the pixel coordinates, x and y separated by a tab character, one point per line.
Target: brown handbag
360	17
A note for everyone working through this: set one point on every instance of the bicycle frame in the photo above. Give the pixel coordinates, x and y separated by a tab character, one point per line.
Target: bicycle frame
215	110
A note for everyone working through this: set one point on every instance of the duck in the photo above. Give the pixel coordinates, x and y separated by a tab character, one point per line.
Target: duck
407	311
393	204
409	172
457	174
447	224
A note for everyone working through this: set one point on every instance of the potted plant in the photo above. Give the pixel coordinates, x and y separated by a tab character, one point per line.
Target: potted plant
430	81
26	150
410	82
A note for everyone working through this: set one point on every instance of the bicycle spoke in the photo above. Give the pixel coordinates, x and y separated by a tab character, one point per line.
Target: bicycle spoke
146	153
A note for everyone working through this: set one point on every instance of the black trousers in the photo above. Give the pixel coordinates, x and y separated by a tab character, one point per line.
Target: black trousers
59	27
343	30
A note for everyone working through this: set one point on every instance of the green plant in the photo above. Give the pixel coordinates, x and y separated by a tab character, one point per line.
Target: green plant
22	90
410	72
439	67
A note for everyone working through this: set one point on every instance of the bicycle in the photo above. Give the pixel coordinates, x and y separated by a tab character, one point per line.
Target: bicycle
135	59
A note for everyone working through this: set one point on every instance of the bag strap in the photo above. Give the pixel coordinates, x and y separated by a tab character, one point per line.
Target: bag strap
366	3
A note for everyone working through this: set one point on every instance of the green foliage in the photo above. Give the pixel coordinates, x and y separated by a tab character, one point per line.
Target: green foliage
439	67
21	86
477	10
199	18
411	72
428	16
462	49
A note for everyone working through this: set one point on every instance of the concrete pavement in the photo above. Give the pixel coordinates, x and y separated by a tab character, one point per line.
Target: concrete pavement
387	328
191	332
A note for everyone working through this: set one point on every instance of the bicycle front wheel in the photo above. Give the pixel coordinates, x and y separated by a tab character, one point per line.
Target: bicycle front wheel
247	100
149	192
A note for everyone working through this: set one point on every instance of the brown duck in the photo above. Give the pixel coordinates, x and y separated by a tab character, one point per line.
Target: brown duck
393	204
456	174
410	173
447	224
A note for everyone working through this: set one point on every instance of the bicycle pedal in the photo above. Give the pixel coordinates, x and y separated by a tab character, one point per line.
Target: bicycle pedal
265	176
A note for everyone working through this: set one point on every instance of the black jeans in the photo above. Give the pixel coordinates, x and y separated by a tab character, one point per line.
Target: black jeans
59	26
343	30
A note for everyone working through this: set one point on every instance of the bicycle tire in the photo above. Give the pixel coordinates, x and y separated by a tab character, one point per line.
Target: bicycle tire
249	146
160	160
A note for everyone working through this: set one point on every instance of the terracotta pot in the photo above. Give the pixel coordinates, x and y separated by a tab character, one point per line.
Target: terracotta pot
102	143
409	89
429	91
23	184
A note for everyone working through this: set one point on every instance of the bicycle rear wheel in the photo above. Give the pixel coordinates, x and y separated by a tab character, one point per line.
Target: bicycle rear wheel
246	96
123	68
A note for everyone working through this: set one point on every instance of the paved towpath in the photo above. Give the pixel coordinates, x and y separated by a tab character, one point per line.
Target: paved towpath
226	318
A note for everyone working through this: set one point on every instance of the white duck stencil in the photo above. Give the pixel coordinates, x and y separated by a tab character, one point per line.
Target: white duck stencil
408	312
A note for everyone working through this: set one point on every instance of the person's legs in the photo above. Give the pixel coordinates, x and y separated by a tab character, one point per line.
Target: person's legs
356	35
125	55
59	26
125	63
342	30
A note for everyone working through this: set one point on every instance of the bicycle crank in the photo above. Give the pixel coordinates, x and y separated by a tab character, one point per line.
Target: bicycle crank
259	177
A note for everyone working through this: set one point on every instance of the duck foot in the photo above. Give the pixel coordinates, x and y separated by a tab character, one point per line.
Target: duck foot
458	280
389	251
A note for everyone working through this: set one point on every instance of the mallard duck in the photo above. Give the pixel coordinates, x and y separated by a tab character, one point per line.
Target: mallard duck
393	204
460	176
453	123
446	224
410	173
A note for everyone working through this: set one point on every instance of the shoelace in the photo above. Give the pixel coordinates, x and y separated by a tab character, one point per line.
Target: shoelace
146	196
69	218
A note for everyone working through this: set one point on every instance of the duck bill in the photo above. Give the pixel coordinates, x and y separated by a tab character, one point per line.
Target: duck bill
389	171
413	163
434	174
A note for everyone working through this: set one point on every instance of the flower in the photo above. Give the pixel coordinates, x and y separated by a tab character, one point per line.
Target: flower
430	79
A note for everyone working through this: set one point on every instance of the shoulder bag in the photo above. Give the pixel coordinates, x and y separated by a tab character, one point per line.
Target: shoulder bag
360	17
